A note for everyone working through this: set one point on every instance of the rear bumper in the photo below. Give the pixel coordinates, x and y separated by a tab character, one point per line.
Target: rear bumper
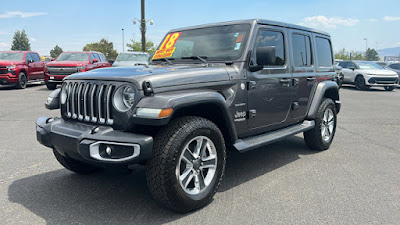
80	142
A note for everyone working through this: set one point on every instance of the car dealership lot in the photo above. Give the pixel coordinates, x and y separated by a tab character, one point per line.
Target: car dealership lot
356	181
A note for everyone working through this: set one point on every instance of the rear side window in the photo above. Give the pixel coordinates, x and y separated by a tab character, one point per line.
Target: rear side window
324	52
102	58
343	64
266	38
35	57
302	55
97	57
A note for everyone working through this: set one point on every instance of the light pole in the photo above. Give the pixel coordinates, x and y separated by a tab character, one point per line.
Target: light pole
123	42
366	44
143	22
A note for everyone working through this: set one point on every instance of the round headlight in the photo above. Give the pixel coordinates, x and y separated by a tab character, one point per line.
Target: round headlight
63	96
124	98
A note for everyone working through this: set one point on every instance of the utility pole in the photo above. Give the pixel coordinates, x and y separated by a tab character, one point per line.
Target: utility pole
143	28
123	42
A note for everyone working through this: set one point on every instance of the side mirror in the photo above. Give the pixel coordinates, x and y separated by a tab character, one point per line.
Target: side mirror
95	60
352	68
29	61
266	56
53	101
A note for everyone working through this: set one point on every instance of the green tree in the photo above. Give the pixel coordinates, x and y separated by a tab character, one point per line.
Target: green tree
356	56
20	41
56	51
136	46
104	46
342	54
371	55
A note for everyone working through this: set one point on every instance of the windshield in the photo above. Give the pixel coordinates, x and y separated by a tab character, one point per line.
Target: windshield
369	66
12	56
73	57
132	57
219	43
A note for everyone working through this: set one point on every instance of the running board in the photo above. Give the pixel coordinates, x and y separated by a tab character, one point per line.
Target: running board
244	145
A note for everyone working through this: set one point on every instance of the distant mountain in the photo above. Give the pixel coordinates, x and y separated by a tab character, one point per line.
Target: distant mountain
389	51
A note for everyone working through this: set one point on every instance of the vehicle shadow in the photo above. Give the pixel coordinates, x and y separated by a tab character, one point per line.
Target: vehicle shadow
61	197
372	89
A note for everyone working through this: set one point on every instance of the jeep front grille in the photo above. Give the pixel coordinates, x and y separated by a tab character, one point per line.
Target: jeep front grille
89	102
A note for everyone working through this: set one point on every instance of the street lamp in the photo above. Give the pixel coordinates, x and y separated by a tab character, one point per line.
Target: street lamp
143	22
123	42
366	44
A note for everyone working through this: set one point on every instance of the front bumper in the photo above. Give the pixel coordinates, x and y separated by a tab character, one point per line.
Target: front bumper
54	78
381	80
8	78
81	141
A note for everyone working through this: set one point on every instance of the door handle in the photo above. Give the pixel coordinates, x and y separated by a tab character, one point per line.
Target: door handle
285	82
311	79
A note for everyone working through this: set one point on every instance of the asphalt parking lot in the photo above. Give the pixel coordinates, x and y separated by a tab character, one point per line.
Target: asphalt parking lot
356	181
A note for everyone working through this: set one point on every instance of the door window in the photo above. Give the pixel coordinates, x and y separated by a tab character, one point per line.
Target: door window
35	57
302	54
267	38
28	57
324	52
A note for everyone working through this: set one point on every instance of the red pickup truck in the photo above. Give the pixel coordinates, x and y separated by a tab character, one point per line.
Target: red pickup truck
18	68
68	63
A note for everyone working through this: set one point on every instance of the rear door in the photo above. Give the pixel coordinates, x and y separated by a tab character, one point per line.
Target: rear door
270	91
39	66
303	70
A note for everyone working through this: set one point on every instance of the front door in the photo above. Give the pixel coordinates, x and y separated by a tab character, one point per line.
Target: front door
271	92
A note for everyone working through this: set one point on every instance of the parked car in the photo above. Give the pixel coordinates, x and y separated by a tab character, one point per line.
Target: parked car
381	64
68	63
236	85
18	68
366	74
394	67
131	59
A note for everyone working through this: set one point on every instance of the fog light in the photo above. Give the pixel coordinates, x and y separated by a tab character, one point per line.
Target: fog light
108	150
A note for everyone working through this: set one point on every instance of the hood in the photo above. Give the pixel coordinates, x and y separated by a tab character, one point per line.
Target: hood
379	72
159	76
8	62
128	63
66	63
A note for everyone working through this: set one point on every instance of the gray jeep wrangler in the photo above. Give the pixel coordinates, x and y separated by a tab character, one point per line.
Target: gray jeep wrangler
235	85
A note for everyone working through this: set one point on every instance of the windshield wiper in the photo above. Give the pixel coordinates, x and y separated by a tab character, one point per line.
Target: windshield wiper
168	60
201	58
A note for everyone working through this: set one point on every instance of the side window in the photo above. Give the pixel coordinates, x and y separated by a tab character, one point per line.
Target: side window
103	58
395	66
97	57
302	55
28	57
324	52
35	57
267	38
92	57
343	64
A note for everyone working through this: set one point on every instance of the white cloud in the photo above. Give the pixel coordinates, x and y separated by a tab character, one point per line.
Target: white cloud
326	22
391	18
21	14
33	39
2	44
372	20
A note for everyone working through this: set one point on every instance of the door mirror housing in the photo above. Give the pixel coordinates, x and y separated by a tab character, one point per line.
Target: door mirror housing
95	60
352	68
265	56
29	61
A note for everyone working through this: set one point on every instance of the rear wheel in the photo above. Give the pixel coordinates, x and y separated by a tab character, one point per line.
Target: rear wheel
51	86
22	80
389	88
360	83
321	136
74	165
187	165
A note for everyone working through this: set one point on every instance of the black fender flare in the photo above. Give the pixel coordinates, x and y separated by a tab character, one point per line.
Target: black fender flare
321	91
185	99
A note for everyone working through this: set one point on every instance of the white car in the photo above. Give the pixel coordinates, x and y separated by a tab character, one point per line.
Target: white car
131	59
365	74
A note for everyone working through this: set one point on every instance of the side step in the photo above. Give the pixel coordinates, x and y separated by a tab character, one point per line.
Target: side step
244	145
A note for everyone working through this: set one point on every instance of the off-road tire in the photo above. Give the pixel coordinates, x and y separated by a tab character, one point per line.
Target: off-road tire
313	137
389	88
74	165
22	80
161	168
50	86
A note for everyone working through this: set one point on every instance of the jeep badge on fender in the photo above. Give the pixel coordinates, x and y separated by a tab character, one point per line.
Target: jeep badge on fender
236	85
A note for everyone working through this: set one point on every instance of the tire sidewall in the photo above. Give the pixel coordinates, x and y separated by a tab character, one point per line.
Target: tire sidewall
193	201
22	75
327	103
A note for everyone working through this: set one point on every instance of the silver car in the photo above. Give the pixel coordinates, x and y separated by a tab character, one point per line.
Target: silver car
395	67
131	59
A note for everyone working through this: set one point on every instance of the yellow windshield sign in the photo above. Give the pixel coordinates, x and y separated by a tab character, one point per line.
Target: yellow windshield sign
167	47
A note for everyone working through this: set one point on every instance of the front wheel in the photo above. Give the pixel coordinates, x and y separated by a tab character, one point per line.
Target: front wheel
360	83
389	88
187	164
22	80
321	136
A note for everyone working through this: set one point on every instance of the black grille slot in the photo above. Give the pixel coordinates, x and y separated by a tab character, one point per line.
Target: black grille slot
89	102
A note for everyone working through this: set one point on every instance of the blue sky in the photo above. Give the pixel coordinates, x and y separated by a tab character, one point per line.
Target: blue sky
72	24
